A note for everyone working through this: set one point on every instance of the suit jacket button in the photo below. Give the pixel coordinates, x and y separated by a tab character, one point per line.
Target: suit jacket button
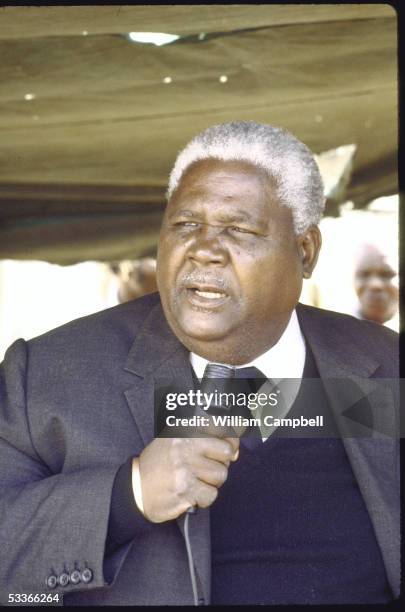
75	577
51	581
63	579
87	575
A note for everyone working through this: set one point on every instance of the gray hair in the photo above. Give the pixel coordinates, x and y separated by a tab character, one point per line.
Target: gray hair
279	153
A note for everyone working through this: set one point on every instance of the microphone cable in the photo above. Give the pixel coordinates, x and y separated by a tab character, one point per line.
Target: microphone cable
210	379
190	556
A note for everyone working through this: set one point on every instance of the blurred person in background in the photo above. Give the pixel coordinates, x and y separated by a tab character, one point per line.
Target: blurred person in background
374	284
135	278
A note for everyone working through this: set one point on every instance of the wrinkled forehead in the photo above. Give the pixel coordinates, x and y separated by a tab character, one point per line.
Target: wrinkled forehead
230	174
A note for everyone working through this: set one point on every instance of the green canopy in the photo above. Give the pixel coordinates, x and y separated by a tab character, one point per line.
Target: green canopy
91	122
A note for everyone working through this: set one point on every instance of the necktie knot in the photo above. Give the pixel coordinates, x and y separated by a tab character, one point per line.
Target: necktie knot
218	370
229	375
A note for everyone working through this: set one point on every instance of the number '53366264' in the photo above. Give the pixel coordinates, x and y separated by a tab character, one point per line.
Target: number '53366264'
33	598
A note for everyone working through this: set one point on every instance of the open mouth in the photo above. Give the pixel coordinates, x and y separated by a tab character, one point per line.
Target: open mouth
205	295
209	295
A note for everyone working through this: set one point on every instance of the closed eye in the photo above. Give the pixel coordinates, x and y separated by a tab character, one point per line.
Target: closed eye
185	224
242	230
233	228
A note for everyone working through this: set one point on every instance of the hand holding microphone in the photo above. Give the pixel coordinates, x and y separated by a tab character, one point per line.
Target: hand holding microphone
177	474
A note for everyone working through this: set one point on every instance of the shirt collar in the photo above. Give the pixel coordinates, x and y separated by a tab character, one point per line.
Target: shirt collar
285	359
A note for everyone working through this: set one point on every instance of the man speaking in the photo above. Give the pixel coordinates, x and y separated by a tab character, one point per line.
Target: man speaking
95	510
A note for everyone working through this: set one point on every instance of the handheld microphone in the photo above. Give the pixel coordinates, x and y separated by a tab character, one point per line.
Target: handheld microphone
217	379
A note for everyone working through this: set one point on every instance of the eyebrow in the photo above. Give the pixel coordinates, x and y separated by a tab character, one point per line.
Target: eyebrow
236	215
183	213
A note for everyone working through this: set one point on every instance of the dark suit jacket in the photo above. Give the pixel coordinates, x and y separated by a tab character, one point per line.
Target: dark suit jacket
77	402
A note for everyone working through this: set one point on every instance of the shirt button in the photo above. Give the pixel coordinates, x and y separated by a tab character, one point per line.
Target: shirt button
75	577
63	579
87	575
51	581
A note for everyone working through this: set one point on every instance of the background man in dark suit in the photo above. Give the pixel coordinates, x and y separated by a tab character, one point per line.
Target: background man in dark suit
94	506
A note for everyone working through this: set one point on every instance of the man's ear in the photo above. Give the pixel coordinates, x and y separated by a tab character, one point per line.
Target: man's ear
309	244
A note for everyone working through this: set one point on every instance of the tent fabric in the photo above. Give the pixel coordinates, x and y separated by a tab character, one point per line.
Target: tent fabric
85	161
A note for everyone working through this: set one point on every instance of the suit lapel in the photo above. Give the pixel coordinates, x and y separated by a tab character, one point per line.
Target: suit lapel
157	358
364	410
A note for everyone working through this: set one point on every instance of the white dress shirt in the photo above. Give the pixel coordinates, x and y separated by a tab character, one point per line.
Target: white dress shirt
284	360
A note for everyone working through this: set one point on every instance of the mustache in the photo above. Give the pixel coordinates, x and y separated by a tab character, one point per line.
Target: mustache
199	278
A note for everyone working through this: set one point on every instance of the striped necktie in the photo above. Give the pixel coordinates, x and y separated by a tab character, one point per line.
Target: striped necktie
228	379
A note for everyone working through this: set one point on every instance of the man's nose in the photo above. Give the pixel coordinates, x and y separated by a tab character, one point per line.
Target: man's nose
207	246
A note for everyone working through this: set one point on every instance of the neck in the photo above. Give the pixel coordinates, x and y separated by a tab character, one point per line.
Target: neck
237	351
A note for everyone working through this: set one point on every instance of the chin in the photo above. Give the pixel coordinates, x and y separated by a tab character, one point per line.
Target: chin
202	326
203	333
